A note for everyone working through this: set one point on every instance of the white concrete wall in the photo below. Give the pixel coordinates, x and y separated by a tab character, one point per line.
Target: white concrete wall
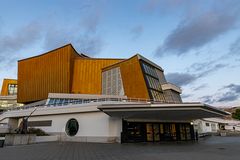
202	126
40	139
6	120
8	125
93	126
230	127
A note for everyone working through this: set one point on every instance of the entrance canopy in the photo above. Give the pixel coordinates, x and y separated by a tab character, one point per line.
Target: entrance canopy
159	111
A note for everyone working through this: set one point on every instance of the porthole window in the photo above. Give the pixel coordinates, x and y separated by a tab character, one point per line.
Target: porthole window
72	127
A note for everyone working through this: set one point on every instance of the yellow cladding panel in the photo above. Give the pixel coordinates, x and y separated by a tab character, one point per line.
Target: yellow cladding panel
87	75
64	71
6	82
43	74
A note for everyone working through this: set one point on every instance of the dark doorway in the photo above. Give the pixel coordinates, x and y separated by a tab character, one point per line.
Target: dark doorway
156	132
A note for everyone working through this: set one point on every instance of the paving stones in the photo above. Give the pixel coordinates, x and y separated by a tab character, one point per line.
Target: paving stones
206	149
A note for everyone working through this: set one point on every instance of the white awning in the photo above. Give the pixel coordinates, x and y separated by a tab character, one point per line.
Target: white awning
166	112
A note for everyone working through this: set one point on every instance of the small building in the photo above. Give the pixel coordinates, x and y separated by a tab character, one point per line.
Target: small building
205	127
214	125
8	96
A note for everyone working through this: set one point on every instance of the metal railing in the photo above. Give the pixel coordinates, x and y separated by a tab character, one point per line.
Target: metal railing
86	101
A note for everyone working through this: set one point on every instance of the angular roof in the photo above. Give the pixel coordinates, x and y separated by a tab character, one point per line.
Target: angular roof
67	45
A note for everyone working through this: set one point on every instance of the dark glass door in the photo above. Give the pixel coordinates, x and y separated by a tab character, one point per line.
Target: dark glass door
135	132
185	132
169	132
149	132
156	132
153	132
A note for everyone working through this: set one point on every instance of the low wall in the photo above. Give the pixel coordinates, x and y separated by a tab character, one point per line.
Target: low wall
229	133
4	128
101	139
40	139
19	139
92	139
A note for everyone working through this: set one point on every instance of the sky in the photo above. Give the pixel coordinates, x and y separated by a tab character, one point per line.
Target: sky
196	42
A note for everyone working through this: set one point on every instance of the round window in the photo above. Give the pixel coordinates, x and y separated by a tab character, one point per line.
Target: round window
72	127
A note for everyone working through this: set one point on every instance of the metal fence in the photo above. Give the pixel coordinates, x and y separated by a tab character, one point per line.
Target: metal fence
67	102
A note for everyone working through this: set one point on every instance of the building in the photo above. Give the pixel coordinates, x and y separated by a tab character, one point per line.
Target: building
8	96
215	125
206	127
78	98
62	70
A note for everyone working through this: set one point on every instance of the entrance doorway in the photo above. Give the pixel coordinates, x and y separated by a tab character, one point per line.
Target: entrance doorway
156	132
161	132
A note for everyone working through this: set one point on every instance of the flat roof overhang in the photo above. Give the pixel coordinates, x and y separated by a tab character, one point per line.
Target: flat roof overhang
166	112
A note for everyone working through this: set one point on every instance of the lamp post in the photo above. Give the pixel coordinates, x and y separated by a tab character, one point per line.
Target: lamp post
24	126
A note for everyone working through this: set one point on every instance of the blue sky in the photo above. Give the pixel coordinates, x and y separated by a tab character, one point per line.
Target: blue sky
196	42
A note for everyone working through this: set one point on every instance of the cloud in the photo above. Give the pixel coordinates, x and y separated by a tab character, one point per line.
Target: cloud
83	35
136	32
195	32
186	95
1	23
91	22
212	69
2	58
49	33
181	79
235	47
12	44
55	37
233	87
89	45
194	72
207	99
20	38
150	5
227	93
227	97
200	87
168	7
85	42
200	66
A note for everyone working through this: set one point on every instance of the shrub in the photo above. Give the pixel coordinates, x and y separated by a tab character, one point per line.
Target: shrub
236	114
37	131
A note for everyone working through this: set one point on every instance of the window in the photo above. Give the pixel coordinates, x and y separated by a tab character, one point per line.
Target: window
149	70
51	102
153	82
72	127
112	82
157	96
213	126
46	123
161	76
172	96
207	124
12	89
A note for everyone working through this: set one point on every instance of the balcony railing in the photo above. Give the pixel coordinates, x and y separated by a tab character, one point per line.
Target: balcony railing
87	101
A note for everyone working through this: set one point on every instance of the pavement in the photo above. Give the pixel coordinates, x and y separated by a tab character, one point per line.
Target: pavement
209	148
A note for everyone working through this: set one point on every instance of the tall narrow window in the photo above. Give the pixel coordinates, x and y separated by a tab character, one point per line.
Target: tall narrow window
112	82
12	89
152	78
